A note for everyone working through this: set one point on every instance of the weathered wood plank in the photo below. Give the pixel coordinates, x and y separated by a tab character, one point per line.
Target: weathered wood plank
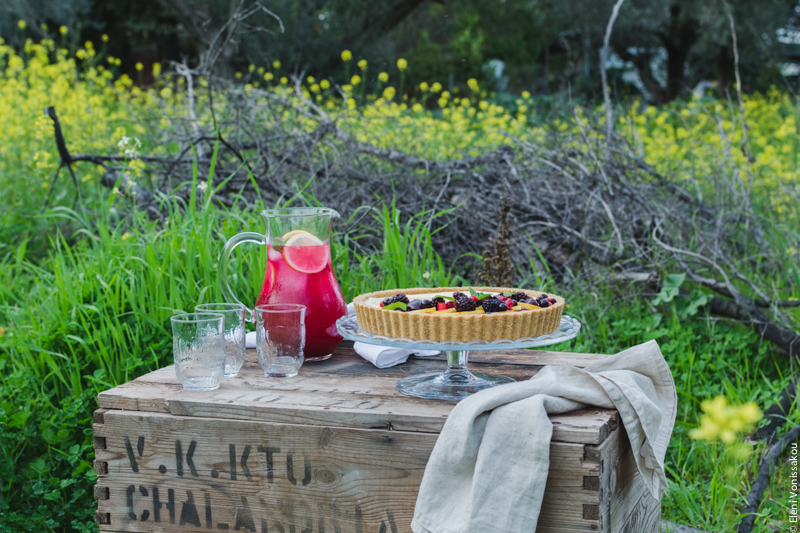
162	470
335	449
323	397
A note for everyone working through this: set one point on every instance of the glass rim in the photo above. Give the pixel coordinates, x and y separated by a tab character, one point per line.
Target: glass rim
280	308
299	212
224	306
184	318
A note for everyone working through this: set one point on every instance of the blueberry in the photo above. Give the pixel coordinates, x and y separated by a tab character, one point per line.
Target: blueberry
414	305
544	295
502	307
426	304
544	303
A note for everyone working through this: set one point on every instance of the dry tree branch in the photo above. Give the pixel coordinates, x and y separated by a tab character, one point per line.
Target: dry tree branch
761	482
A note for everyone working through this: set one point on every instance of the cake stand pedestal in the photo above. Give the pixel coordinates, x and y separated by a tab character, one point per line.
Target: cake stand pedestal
457	382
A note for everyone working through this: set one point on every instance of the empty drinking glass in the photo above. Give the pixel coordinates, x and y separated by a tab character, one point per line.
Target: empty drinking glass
198	347
235	316
280	338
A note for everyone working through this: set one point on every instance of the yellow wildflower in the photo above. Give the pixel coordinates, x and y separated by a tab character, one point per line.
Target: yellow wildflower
472	83
238	75
311	79
156	69
383	77
268	76
423	86
436	87
314	88
276	64
347	55
722	421
63	30
362	64
402	64
388	93
21	24
526	94
126	236
139	67
284	80
355	80
325	84
417	108
104	38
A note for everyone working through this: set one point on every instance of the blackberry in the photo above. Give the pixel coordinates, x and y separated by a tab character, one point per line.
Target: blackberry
399	297
414	305
464	302
437	301
493	305
519	296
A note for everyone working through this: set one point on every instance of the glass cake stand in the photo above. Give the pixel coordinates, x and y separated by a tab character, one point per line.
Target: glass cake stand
457	382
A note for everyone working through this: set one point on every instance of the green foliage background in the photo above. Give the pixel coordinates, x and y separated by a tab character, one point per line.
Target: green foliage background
86	294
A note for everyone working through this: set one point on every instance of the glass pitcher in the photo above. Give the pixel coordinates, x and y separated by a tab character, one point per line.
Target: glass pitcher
298	271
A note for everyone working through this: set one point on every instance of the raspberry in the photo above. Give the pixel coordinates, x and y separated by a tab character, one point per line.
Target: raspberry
464	302
441	306
399	297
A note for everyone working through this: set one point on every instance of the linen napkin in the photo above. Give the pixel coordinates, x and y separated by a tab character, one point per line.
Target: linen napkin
384	356
380	356
488	469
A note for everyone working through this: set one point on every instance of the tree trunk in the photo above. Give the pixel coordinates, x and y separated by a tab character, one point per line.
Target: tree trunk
680	36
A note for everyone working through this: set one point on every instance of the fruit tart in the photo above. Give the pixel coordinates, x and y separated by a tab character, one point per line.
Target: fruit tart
459	314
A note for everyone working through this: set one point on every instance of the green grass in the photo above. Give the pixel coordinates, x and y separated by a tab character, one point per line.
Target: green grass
86	295
95	314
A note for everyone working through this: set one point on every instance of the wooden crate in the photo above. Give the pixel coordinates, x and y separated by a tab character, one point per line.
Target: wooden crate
334	450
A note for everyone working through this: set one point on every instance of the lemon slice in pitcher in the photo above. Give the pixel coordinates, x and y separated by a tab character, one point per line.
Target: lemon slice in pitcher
305	253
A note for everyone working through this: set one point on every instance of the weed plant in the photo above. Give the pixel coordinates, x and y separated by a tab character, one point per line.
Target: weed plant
86	294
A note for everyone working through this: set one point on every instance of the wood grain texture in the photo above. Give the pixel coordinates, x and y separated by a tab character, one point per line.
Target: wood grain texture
345	391
337	449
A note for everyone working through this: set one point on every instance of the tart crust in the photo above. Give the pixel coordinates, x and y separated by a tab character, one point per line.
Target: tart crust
456	327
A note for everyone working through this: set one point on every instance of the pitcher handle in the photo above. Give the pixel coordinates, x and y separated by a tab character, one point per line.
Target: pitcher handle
232	243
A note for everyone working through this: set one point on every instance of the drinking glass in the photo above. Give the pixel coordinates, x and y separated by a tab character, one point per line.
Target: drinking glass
280	338
198	347
235	316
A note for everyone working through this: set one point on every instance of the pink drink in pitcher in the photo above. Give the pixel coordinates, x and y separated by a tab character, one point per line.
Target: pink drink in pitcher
303	274
298	271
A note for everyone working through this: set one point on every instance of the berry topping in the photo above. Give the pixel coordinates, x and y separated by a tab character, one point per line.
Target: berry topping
543	295
492	305
414	305
399	297
544	303
441	306
427	304
502	307
450	305
438	300
463	302
519	296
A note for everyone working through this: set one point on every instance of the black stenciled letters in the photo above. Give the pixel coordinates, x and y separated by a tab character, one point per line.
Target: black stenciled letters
269	451
290	470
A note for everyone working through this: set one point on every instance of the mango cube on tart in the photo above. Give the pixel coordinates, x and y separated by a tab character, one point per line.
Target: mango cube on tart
459	314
